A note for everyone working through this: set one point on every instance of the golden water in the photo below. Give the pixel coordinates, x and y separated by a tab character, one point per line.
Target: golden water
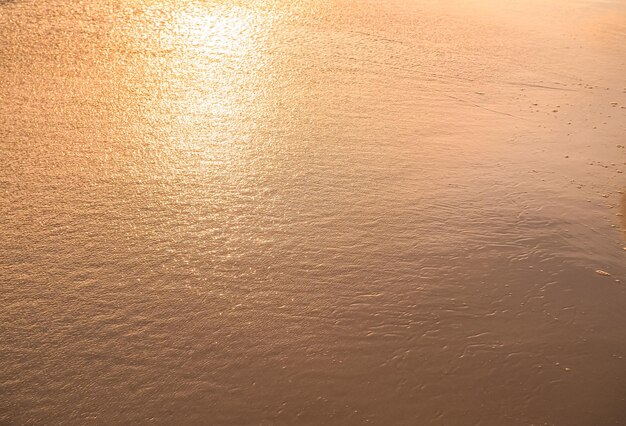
312	212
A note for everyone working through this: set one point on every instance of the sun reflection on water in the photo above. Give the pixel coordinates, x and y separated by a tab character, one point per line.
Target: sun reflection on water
219	51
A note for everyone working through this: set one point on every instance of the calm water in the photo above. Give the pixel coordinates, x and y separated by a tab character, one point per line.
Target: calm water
313	212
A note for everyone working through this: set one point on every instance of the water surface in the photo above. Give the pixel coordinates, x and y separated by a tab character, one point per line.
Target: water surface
333	212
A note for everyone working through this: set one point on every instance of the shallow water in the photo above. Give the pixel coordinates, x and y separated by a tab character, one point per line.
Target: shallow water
335	212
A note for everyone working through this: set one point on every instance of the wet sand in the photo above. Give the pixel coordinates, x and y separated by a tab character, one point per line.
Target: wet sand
336	212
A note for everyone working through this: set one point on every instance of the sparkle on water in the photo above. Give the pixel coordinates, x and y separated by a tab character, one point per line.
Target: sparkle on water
312	212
